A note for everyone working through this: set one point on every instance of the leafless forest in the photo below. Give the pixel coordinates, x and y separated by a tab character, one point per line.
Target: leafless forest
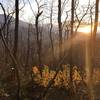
49	50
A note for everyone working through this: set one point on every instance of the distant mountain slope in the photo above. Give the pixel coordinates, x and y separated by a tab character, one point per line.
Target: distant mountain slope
21	23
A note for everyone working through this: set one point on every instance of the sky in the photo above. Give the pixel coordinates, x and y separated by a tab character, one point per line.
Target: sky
26	14
29	14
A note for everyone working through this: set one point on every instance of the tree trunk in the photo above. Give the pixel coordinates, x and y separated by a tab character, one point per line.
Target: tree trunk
28	50
15	49
71	51
38	36
93	48
60	29
51	38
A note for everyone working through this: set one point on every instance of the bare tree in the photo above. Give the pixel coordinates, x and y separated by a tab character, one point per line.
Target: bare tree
72	28
93	43
51	38
38	33
96	20
8	23
60	29
11	55
85	12
16	28
71	51
16	41
10	20
28	49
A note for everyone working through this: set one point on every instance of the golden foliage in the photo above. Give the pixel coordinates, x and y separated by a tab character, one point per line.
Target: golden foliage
61	78
76	75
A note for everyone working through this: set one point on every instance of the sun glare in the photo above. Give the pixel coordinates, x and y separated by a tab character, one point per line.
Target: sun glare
85	29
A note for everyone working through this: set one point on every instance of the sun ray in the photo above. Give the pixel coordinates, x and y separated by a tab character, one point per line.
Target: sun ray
85	29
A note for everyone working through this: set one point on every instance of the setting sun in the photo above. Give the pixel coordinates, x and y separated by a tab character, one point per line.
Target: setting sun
85	29
50	49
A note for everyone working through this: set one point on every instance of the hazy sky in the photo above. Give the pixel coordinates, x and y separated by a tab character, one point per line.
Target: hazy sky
27	15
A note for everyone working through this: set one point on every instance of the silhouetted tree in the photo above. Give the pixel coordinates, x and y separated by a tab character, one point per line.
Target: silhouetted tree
71	48
28	49
38	33
93	43
51	35
60	29
11	55
15	49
